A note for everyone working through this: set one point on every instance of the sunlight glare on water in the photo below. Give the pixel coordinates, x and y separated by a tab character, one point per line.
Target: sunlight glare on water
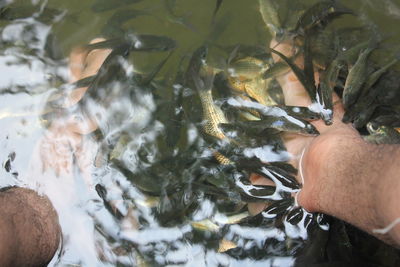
140	190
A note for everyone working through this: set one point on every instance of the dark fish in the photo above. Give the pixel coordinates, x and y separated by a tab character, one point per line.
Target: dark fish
255	191
305	80
350	55
114	24
147	182
279	207
356	78
45	15
217	6
280	172
319	13
140	42
295	215
328	80
289	124
301	112
178	19
373	78
105	5
294	111
144	80
102	192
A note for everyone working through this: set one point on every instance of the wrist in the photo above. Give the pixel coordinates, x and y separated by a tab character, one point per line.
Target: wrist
334	167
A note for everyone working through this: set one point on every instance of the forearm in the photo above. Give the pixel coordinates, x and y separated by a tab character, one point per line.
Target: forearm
355	181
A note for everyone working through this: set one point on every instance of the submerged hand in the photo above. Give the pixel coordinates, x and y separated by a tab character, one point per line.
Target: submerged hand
310	153
64	142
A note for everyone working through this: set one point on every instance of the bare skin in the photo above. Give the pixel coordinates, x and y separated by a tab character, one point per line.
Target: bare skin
30	233
342	175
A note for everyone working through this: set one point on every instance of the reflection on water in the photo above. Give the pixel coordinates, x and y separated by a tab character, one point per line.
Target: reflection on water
133	180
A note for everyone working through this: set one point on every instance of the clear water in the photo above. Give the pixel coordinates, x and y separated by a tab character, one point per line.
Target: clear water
174	222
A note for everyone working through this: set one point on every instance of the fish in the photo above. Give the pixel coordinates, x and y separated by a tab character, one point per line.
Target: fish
140	43
382	135
320	12
114	23
276	70
270	14
247	68
212	114
199	78
300	112
294	111
105	5
45	15
328	80
257	127
145	79
178	19
218	4
295	215
356	78
308	84
278	208
280	172
257	89
373	78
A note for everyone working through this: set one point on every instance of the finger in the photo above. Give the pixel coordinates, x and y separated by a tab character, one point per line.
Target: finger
77	63
256	207
85	64
293	91
95	59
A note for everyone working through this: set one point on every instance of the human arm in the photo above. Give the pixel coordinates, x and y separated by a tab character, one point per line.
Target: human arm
29	229
342	175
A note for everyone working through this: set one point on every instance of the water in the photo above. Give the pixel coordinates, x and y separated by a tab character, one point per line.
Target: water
134	191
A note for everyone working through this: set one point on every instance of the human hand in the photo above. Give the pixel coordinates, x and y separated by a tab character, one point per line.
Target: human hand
65	138
310	154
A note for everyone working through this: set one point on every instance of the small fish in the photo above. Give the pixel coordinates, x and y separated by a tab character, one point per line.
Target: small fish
105	5
270	15
320	12
350	55
46	15
305	81
279	207
147	182
295	215
113	27
282	172
225	245
373	78
140	42
276	70
257	89
382	134
120	147
300	112
200	78
328	81
145	79
212	114
217	7
278	123
356	78
247	68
